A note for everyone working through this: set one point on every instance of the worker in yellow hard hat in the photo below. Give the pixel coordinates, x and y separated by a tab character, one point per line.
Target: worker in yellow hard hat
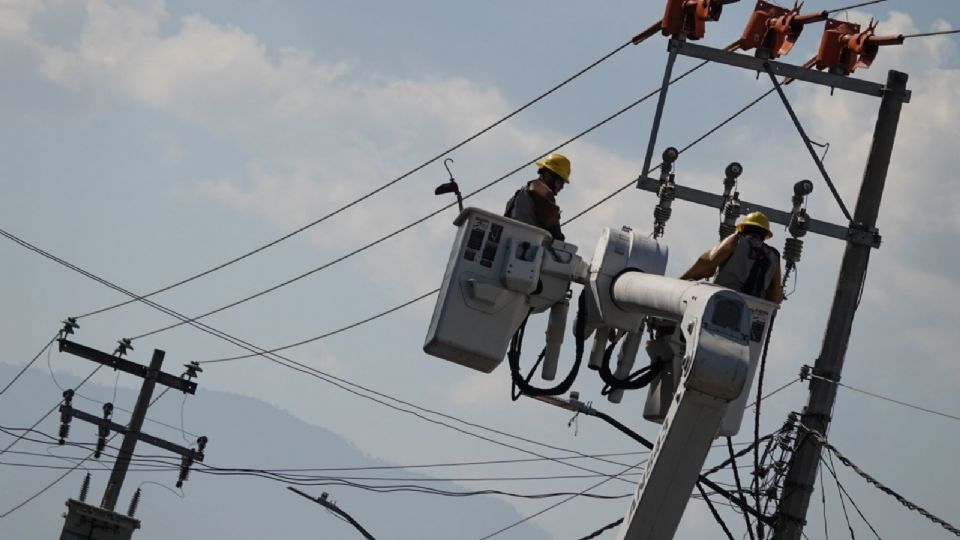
535	203
743	261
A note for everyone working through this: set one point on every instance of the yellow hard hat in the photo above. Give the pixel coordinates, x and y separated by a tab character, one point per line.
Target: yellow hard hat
757	219
557	163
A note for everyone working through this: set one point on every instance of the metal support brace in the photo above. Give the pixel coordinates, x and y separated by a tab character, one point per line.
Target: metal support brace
661	100
806	141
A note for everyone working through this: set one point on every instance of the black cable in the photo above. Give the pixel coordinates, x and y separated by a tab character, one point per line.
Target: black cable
736	479
843	504
602	530
823	503
30	363
551	507
328	334
422	219
885	398
51	411
305	369
926	34
75	467
371	193
843	490
877	484
302	368
716	515
578	215
756	422
861	4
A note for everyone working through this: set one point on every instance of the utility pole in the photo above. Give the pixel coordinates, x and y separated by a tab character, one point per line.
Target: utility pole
84	521
860	235
329	505
801	476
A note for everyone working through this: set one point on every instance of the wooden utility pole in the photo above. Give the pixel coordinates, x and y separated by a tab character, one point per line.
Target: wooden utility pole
93	523
816	416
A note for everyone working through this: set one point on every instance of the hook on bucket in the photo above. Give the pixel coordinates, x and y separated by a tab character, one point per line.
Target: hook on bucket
450	186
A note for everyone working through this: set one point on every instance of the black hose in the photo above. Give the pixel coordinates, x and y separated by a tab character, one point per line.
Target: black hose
635	381
513	357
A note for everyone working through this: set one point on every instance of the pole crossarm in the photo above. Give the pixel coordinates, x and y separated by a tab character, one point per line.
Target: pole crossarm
133	368
853	234
145	437
720	56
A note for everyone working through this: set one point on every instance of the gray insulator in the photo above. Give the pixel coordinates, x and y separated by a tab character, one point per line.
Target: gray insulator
85	488
792	249
134	502
726	230
662	214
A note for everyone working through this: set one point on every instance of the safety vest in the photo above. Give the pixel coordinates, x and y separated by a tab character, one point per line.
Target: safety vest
520	208
750	268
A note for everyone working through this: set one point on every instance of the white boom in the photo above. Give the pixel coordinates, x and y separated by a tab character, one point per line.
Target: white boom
501	270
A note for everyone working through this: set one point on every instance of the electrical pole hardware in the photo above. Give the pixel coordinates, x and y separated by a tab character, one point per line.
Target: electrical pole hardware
84	521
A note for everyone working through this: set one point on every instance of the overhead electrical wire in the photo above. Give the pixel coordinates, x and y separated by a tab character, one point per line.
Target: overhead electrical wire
28	364
885	398
370	193
286	362
306	369
928	34
313	372
877	484
555	505
425	295
854	6
75	467
843	492
416	222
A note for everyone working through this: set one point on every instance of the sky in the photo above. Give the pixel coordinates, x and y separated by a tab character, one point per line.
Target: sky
147	141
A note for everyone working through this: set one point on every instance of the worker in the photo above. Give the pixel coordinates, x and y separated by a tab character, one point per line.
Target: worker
743	261
535	203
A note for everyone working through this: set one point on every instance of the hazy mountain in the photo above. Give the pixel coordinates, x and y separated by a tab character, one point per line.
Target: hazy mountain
243	433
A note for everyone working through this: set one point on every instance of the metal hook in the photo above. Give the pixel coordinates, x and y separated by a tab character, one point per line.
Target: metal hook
451	186
447	167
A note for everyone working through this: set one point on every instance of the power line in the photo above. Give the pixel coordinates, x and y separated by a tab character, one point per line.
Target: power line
876	483
330	333
30	363
830	467
313	372
326	377
396	232
885	398
861	4
368	194
551	507
75	467
409	302
926	34
48	413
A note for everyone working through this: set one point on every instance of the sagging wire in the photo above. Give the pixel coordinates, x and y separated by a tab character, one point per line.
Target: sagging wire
843	504
551	507
30	363
75	467
879	485
807	371
736	478
843	491
371	193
